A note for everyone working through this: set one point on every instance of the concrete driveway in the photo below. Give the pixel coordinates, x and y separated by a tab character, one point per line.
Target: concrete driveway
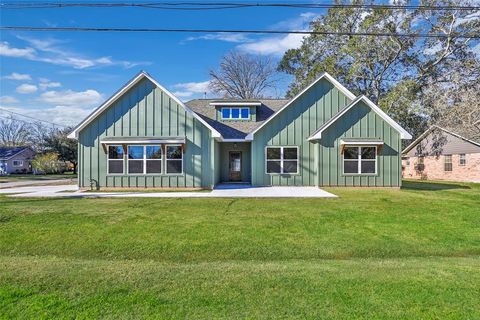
221	191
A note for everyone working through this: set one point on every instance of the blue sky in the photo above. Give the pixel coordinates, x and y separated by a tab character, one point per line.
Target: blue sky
62	76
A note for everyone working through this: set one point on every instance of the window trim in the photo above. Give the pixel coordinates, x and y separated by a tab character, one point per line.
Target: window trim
239	115
464	159
145	159
166	159
108	160
19	165
282	160
359	159
445	157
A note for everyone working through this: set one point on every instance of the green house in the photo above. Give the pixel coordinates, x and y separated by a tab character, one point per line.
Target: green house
143	136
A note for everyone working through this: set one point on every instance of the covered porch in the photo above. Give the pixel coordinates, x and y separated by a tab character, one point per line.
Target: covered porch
235	162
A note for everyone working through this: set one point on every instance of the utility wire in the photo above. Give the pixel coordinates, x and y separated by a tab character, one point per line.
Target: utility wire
19	114
223	5
305	32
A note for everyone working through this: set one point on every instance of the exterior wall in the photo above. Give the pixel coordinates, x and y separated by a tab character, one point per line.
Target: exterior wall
292	127
435	170
360	122
244	147
146	110
26	156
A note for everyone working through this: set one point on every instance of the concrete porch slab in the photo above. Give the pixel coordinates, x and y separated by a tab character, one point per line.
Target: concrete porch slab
221	191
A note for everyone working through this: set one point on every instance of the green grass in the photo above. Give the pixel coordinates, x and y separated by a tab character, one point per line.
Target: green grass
372	253
42	177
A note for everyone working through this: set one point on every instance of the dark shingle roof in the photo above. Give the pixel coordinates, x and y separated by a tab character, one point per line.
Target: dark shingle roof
235	129
8	152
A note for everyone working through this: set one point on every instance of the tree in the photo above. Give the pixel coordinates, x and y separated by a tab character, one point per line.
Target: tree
392	70
14	132
243	76
58	142
456	106
47	163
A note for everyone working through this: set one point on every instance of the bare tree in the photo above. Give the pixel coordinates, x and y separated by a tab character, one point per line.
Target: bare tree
14	132
455	105
243	76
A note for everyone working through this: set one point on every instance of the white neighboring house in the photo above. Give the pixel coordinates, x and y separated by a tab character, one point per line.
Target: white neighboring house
16	160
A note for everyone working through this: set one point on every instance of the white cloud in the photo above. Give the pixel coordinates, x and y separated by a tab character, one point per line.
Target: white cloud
65	115
18	76
26	88
87	98
277	45
188	89
7	100
227	37
7	51
273	45
51	51
45	84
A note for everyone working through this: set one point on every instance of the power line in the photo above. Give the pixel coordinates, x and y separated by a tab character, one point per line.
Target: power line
224	5
305	32
19	114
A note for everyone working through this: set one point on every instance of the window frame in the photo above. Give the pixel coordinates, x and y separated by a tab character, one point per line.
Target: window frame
239	114
145	159
108	160
17	165
460	160
166	160
282	160
360	160
445	157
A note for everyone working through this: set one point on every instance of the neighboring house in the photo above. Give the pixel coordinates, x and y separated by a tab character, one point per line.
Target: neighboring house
144	136
16	160
439	154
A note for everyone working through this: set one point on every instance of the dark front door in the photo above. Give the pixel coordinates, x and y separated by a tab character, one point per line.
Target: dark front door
235	166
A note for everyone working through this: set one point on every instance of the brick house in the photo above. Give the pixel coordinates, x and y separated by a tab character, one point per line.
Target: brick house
439	154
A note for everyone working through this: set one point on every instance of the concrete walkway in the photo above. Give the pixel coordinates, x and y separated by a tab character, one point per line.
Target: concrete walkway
34	182
222	191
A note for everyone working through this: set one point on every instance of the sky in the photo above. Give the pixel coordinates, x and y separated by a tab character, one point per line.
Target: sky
62	76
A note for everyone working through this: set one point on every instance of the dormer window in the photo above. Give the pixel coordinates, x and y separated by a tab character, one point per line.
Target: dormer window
235	113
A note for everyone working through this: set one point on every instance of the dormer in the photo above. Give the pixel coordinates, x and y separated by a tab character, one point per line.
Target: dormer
236	110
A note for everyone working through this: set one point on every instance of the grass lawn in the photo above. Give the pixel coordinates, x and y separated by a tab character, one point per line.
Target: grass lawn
410	253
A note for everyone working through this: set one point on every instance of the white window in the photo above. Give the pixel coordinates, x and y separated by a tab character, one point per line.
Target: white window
462	159
235	113
115	160
360	160
174	159
17	163
144	159
448	162
281	160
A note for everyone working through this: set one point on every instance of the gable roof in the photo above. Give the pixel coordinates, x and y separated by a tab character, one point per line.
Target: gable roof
141	75
10	152
324	75
318	133
425	134
236	129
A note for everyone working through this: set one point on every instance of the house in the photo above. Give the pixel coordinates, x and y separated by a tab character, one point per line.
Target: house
144	136
440	154
16	160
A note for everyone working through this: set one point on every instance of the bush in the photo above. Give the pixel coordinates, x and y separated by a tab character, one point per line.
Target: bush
48	163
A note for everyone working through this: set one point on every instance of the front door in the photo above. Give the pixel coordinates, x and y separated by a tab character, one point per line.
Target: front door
235	165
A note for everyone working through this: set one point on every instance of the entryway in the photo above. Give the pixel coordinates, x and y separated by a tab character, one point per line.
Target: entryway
235	159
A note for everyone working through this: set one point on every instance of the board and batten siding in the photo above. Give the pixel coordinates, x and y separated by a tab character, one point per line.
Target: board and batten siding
292	127
360	122
146	111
